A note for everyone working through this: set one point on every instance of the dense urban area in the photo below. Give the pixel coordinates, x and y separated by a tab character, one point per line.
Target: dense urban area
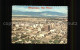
27	30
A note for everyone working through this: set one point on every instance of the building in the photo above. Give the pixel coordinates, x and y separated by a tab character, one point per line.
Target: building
51	25
46	28
39	29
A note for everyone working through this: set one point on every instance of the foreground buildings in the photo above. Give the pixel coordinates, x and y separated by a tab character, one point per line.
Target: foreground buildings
39	31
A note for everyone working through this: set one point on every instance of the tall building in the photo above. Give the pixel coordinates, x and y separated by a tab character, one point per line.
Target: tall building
51	25
46	28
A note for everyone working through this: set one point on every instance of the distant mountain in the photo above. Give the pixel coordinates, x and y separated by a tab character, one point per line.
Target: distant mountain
39	14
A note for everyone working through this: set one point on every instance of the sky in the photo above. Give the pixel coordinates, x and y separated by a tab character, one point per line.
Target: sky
23	8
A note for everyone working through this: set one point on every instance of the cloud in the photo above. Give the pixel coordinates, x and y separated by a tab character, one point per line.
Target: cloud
61	9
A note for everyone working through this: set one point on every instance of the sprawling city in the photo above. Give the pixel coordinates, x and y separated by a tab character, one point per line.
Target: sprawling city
39	26
39	30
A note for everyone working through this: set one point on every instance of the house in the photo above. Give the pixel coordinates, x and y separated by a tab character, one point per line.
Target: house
52	30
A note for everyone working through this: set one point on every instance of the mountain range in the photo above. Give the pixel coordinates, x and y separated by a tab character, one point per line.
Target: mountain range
40	14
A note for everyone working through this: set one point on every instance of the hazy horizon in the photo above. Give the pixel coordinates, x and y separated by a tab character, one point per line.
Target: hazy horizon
56	11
